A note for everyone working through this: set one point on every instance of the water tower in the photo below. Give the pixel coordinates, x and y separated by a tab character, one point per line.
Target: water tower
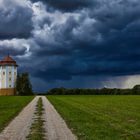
8	76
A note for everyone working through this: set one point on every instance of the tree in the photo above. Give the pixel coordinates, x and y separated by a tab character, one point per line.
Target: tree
23	85
18	84
136	89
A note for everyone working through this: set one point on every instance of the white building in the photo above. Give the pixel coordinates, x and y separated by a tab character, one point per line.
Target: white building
8	75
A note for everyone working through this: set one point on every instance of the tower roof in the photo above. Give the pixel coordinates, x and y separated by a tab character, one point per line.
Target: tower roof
8	61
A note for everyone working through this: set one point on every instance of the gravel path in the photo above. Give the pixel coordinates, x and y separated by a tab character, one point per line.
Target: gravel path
19	128
55	126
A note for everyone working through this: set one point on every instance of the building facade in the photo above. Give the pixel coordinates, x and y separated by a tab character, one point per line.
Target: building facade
8	76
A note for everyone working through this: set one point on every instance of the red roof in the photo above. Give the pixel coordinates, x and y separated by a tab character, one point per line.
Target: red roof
8	61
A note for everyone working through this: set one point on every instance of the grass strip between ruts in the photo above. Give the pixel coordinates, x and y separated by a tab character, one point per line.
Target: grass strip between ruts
37	131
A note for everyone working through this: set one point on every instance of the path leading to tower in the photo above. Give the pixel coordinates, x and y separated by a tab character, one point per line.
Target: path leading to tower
19	128
55	126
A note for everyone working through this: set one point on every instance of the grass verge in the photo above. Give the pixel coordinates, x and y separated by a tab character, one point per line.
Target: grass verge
37	130
100	117
10	106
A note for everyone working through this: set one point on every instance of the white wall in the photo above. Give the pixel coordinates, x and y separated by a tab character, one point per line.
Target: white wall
8	80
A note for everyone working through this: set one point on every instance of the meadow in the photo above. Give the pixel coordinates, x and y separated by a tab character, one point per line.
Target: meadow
10	106
100	117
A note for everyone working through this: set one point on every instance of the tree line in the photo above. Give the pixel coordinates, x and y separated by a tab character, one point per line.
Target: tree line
24	87
104	91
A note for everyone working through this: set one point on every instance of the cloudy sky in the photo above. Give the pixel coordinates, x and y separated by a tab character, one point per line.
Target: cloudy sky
76	43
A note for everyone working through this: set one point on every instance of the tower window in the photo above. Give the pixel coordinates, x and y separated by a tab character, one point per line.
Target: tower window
3	73
10	79
9	85
10	72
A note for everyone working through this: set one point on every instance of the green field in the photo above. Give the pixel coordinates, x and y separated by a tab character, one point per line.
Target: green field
10	106
100	117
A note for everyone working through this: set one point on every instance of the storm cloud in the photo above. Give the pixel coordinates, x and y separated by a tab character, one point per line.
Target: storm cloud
15	19
69	40
68	5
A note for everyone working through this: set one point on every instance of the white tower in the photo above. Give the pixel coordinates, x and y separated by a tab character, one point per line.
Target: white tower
8	75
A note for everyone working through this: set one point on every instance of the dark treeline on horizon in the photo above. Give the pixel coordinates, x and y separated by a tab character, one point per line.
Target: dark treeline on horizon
104	91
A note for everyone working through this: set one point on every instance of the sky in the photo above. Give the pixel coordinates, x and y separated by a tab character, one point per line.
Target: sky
73	44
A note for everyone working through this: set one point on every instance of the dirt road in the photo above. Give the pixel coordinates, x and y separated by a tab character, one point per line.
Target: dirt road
55	126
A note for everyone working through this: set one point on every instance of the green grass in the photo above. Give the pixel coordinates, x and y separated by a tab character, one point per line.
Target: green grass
100	117
37	129
10	106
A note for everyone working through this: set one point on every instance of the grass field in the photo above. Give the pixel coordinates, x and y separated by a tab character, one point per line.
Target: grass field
10	107
100	117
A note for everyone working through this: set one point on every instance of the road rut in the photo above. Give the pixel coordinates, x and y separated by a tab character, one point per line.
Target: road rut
55	126
19	128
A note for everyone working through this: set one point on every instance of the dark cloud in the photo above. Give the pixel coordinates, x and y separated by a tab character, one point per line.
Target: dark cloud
12	51
97	42
80	82
68	5
98	38
15	20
